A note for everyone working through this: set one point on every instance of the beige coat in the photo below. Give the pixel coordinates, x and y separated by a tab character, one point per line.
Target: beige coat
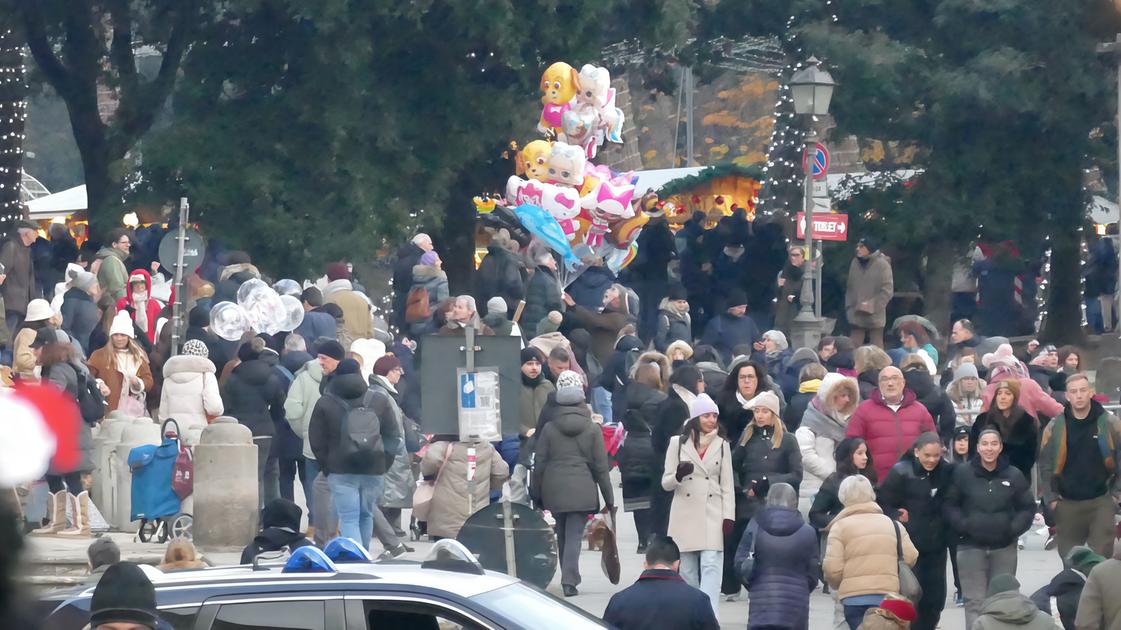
870	287
860	556
1100	605
704	499
356	310
450	505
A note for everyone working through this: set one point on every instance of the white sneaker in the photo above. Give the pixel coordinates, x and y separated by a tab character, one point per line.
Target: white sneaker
734	597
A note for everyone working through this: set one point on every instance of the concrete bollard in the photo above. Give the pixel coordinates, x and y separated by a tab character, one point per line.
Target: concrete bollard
142	431
225	498
104	444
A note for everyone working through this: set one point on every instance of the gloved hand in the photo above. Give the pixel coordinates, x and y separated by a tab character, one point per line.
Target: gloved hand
684	469
728	524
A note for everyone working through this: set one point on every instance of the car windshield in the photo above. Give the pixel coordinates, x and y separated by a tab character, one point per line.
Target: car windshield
535	609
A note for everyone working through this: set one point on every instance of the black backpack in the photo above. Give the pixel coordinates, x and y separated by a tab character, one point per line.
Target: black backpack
90	401
360	444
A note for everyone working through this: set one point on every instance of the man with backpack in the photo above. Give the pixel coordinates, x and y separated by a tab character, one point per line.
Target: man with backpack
354	443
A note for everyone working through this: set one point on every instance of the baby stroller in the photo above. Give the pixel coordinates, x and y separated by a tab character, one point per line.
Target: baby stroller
158	488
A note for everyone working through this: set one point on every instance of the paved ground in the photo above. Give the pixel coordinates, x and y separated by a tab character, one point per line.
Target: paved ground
1036	569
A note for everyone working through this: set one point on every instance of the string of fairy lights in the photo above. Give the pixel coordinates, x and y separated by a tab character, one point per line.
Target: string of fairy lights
13	118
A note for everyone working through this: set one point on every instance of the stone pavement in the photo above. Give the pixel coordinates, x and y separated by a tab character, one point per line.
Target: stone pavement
1036	569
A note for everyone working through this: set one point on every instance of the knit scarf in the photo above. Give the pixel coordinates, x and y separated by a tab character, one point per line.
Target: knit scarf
1058	442
706	440
686	396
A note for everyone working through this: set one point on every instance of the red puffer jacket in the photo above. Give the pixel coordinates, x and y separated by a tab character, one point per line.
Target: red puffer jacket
889	433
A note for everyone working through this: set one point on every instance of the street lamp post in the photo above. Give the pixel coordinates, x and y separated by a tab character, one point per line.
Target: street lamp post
812	90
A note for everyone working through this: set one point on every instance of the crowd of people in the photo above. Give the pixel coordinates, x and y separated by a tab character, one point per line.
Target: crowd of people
858	466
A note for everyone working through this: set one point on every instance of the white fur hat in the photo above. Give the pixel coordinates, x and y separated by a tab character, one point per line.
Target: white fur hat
38	310
122	325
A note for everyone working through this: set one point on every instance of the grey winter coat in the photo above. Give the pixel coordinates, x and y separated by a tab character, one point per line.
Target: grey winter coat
399	481
570	462
65	377
1012	610
79	317
434	281
870	288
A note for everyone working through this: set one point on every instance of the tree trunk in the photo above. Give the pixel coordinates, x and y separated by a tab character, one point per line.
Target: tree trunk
1064	314
937	297
102	212
13	116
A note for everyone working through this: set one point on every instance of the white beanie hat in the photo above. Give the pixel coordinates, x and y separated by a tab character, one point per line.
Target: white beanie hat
38	310
122	325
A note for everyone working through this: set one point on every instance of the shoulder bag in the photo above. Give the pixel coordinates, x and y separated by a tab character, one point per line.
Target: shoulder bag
426	488
909	585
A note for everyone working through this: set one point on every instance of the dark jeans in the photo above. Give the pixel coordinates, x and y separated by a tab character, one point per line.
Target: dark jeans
570	533
854	615
954	567
730	584
642	523
13	319
650	294
930	570
289	468
72	481
268	471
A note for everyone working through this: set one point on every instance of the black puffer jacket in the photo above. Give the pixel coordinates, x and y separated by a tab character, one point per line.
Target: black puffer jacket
639	464
344	393
921	492
827	504
254	394
542	294
499	275
936	401
760	462
989	509
1021	438
570	463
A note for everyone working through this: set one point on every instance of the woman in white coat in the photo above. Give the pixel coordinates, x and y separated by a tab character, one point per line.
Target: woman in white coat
822	429
698	471
190	390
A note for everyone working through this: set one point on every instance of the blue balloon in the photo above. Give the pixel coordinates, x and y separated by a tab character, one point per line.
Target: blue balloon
545	227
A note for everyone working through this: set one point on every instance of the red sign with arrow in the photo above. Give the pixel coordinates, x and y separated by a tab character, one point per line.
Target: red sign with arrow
827	226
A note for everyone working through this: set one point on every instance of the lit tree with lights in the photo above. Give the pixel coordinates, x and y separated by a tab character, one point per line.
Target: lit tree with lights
13	115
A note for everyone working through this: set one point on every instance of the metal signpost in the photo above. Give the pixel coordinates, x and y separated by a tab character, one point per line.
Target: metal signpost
179	250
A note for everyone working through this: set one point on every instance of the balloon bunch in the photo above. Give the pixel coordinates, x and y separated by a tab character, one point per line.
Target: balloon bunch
259	308
573	206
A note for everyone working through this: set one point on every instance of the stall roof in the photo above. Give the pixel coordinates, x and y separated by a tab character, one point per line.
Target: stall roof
61	203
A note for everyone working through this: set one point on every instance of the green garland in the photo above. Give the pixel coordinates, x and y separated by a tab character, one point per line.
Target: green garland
684	184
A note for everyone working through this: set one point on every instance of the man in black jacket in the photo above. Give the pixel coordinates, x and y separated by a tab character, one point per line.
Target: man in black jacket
660	598
407	256
1078	459
351	456
650	271
280	528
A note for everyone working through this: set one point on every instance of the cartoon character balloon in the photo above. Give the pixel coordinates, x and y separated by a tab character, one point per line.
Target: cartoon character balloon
558	86
566	165
561	202
533	160
542	225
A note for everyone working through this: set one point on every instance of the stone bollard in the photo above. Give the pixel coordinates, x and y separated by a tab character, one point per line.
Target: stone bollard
142	431
1108	378
104	444
225	509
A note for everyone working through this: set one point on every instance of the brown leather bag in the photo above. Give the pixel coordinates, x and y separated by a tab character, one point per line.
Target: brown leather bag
417	308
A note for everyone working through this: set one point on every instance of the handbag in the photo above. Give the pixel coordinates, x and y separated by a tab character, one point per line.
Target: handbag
426	489
747	564
609	558
909	585
132	405
183	472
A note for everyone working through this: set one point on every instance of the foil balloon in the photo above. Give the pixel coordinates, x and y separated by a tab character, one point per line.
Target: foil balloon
248	288
542	225
566	165
617	259
293	313
533	160
559	84
288	286
562	202
266	311
229	321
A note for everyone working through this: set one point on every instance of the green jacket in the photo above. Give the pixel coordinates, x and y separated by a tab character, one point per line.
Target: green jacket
1053	453
112	275
302	396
